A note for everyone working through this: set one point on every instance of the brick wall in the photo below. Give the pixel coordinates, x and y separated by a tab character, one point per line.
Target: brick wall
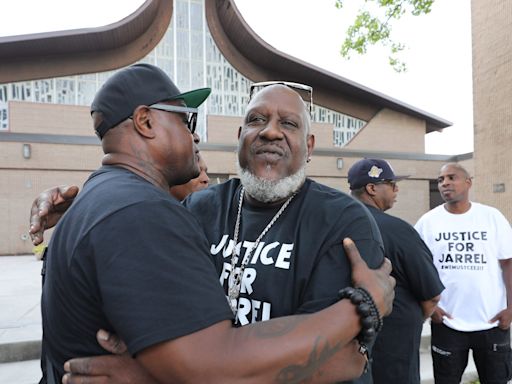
21	179
492	89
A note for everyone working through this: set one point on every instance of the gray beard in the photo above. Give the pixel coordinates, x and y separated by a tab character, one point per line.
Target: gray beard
269	191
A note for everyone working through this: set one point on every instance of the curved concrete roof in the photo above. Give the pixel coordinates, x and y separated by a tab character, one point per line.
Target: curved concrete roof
87	50
113	46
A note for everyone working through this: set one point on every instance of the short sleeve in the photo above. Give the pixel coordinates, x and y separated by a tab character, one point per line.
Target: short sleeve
413	261
333	270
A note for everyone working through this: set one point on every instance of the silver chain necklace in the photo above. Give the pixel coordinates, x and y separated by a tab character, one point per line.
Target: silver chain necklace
235	280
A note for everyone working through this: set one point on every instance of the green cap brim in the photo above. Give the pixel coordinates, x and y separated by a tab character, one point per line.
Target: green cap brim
194	98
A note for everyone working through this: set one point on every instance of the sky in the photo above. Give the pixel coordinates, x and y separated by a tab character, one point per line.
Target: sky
438	53
438	57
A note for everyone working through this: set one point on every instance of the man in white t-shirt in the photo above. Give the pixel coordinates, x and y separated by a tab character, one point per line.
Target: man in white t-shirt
472	248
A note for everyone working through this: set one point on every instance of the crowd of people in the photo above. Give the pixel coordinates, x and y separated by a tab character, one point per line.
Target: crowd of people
315	285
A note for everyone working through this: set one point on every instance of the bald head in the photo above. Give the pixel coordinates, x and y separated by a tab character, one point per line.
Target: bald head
275	89
274	144
454	183
456	166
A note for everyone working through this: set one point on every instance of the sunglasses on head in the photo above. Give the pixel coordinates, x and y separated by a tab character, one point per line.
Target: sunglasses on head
305	91
191	113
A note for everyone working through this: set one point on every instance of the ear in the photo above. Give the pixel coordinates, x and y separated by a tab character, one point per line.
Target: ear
239	132
142	122
370	189
310	143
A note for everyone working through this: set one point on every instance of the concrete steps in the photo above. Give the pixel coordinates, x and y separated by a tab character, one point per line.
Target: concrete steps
20	319
20	372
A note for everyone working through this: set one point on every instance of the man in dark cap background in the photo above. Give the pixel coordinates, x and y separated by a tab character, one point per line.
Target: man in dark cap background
418	287
128	258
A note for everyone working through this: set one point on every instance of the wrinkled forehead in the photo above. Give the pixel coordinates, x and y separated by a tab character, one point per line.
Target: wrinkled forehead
278	95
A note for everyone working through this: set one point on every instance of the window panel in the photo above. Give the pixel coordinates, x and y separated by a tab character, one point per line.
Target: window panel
22	91
183	44
197	74
183	79
181	14
65	91
196	41
3	93
43	91
196	16
4	122
86	91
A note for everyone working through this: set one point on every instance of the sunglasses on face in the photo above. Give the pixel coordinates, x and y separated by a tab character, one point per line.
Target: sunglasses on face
388	182
305	91
191	120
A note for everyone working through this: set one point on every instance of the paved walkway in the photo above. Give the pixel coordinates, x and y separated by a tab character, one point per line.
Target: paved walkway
20	323
20	319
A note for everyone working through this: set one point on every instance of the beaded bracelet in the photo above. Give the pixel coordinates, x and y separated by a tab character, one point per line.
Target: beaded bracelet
371	321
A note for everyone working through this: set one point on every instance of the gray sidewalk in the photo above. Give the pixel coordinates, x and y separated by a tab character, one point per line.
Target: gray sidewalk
20	319
20	324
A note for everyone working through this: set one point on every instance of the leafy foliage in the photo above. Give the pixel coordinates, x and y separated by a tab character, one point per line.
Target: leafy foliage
371	28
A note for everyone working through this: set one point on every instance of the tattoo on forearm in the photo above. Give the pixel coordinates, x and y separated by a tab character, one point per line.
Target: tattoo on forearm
296	374
277	327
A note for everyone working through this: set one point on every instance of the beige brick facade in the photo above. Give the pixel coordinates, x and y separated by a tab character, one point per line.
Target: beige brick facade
52	119
492	90
18	188
391	131
71	161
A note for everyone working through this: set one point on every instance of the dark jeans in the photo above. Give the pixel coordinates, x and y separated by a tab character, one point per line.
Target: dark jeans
491	353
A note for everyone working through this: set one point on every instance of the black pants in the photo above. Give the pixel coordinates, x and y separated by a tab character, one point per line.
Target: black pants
491	353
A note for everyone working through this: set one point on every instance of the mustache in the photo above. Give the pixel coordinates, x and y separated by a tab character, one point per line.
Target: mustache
269	148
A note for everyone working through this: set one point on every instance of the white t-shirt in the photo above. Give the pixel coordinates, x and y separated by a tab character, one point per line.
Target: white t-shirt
466	249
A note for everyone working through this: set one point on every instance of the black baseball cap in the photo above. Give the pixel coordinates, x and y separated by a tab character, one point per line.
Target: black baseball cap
368	171
139	84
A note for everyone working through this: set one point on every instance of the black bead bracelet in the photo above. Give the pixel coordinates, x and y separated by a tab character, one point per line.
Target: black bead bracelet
371	321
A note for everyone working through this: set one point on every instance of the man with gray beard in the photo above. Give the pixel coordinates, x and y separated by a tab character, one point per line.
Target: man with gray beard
275	235
283	229
278	229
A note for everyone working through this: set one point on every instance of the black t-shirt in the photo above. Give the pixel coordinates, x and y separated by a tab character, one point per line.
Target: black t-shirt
300	264
128	258
396	350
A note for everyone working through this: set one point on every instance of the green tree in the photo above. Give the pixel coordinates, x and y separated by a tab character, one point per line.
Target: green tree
374	26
